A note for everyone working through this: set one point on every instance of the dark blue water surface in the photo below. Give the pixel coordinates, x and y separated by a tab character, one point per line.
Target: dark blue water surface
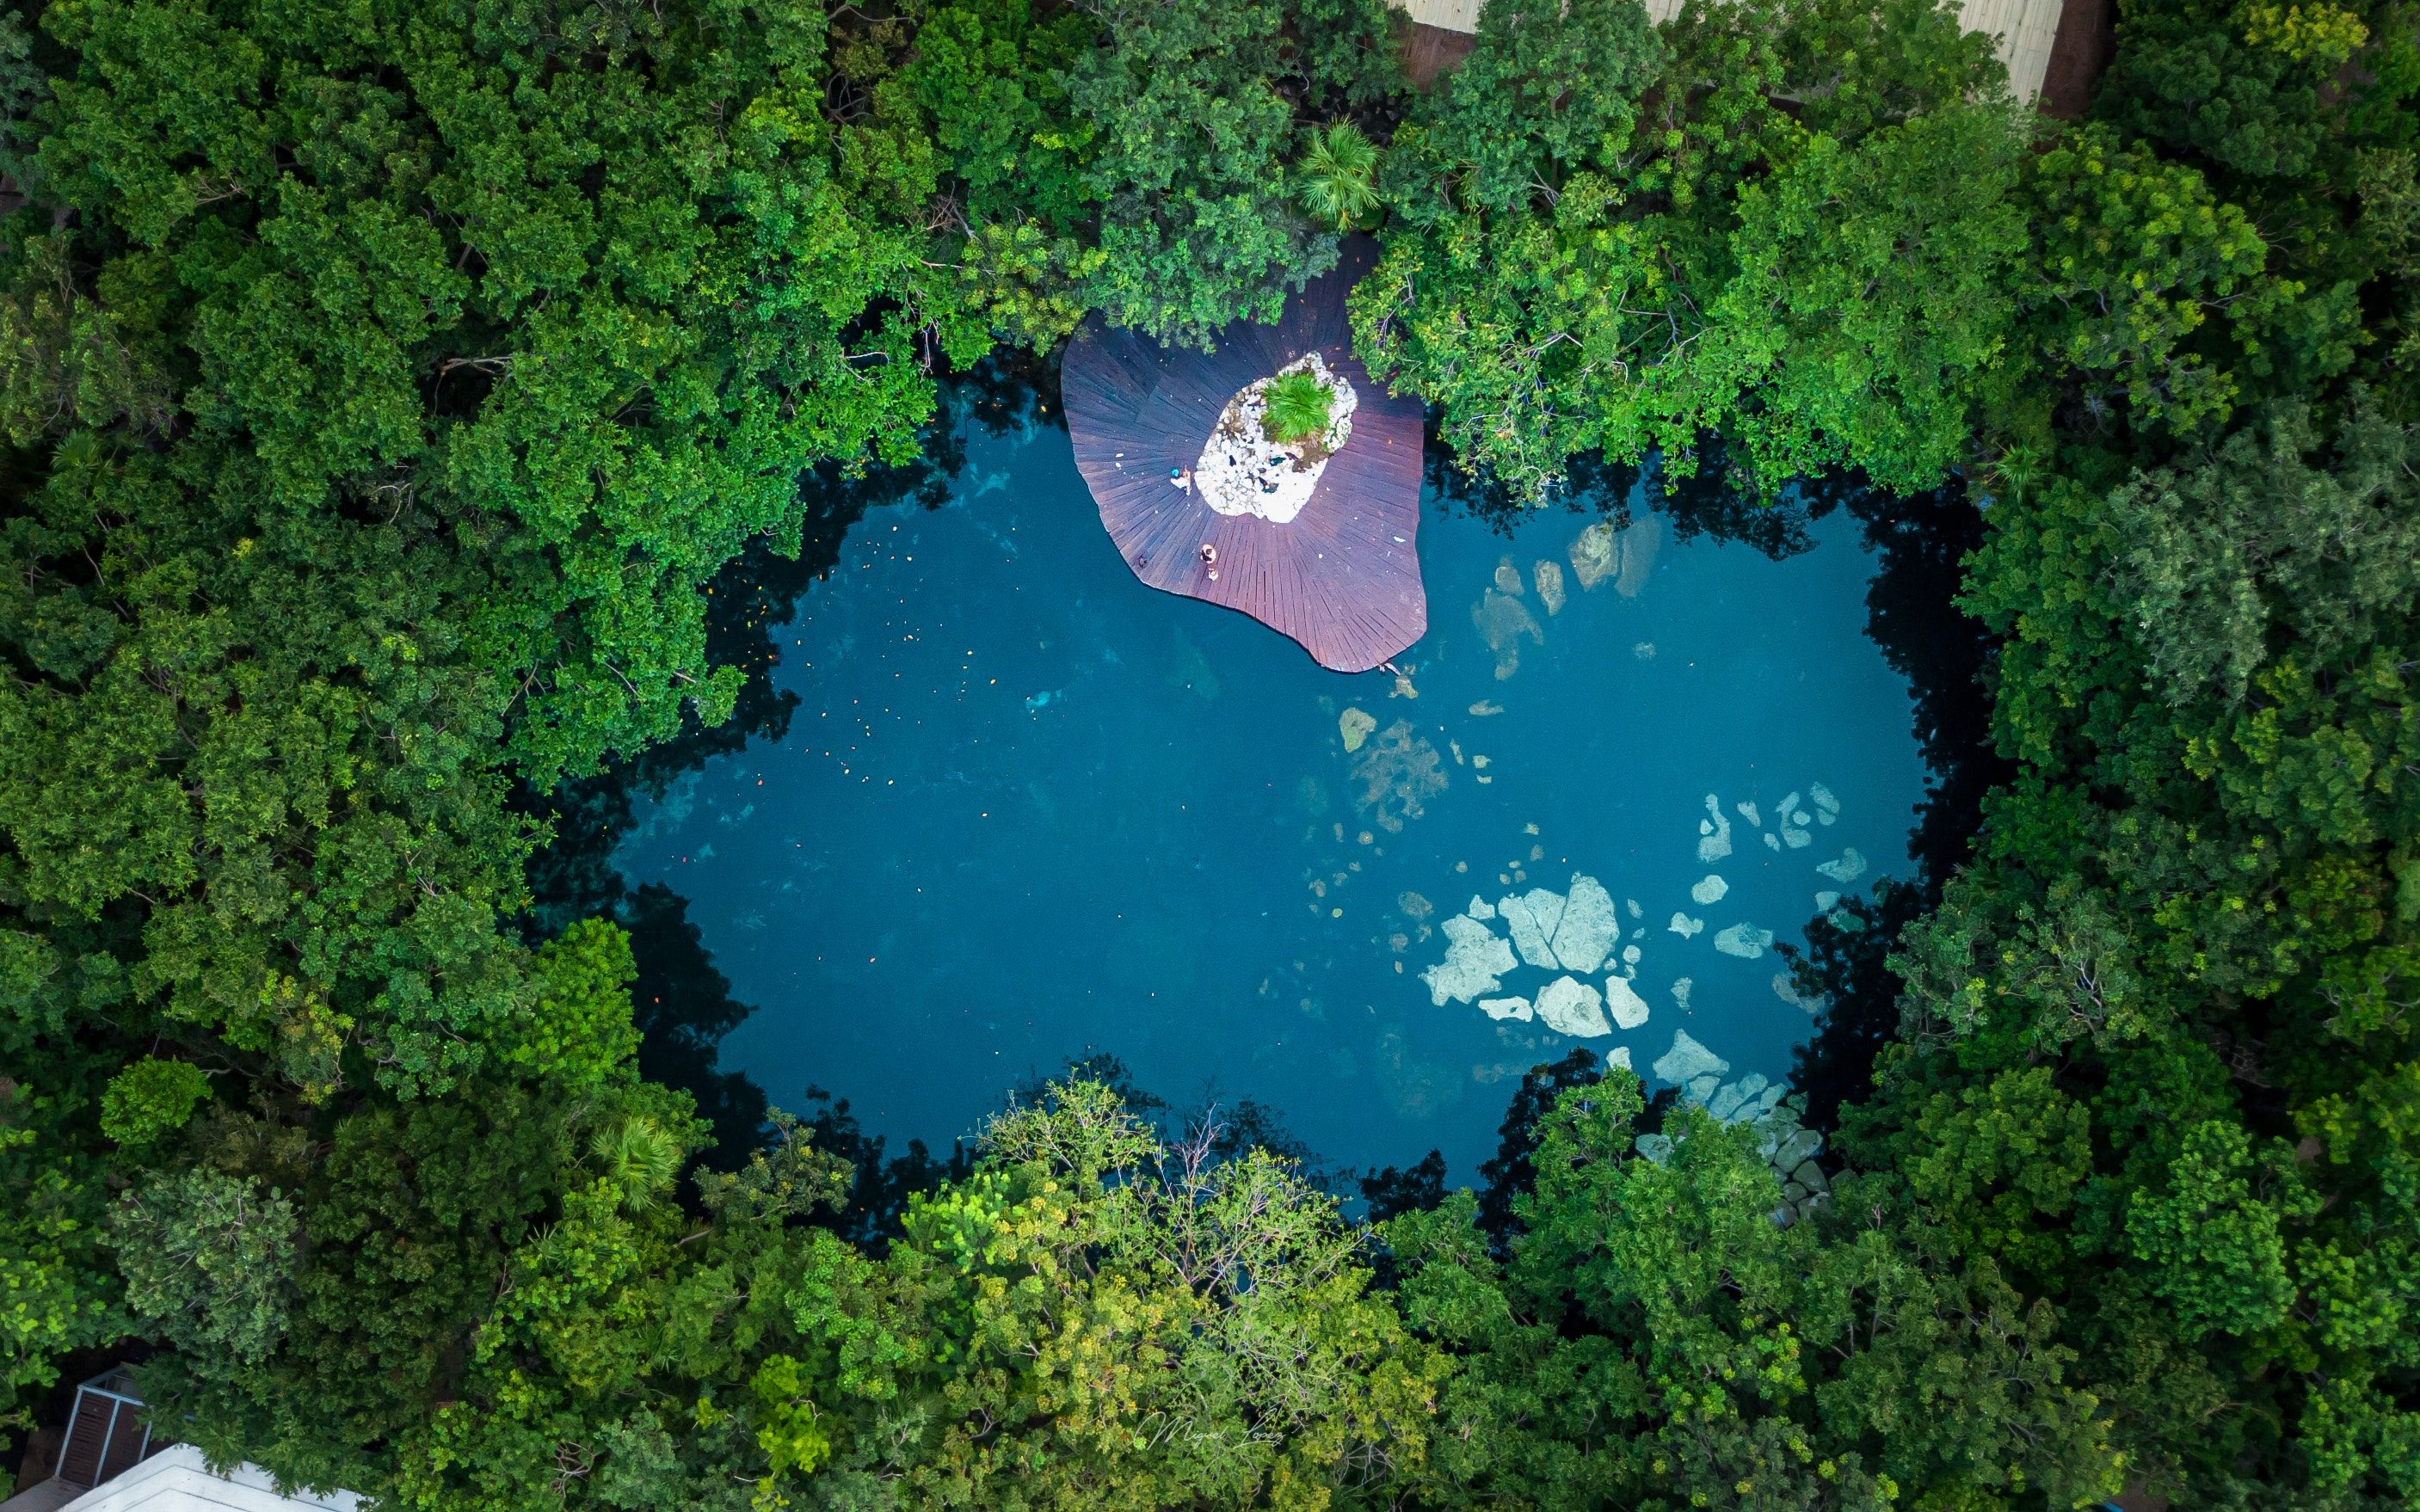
1026	809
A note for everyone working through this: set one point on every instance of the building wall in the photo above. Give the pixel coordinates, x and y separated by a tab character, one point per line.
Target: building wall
2024	29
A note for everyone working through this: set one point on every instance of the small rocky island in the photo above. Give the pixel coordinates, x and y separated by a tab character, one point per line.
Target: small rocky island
1273	441
1308	521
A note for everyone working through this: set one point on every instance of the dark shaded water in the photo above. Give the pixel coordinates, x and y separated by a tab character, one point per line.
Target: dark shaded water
1004	807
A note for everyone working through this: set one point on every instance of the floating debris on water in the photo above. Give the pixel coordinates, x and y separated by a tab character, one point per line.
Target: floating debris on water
1714	833
1745	941
1685	926
1629	1008
1355	726
1572	1007
1712	890
1549	577
1848	868
1475	963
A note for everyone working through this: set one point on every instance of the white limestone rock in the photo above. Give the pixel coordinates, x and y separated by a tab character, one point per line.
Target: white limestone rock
1549	577
1848	868
1595	555
1629	1008
1529	931
1588	928
1827	807
1744	941
1481	908
1619	1056
1826	900
1653	1148
1681	990
1685	926
1751	813
1572	1007
1701	1090
1725	1101
1242	471
1713	889
1687	1060
1714	833
1772	840
1515	1009
1475	963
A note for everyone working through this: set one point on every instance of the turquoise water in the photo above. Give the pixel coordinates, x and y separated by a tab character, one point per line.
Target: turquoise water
1027	809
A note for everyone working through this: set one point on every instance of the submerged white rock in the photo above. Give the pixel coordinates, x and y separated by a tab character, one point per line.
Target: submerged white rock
1549	577
1685	926
1243	472
1475	963
1848	868
1629	1010
1788	992
1588	927
1680	994
1687	1060
1481	908
1515	1009
1572	1007
1827	807
1619	1056
1712	890
1751	813
1714	833
1595	555
1745	941
1826	900
1530	932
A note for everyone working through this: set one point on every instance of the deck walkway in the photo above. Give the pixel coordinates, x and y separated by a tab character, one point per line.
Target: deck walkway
1344	577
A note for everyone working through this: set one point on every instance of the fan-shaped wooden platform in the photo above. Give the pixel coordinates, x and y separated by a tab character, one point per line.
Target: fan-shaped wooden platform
1344	577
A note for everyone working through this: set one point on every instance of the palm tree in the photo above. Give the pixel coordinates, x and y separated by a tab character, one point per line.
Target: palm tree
1339	174
1297	407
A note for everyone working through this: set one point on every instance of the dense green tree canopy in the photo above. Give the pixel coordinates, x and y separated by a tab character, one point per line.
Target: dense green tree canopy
383	386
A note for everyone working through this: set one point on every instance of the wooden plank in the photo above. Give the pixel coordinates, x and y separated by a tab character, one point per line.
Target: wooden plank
1344	577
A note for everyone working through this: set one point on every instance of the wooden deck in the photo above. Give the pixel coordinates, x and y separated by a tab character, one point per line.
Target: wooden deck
1344	577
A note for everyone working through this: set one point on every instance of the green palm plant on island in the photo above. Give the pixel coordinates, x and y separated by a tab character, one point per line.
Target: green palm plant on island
1337	176
1297	406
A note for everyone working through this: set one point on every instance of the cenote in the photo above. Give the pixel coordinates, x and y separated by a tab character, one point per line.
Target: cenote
1001	806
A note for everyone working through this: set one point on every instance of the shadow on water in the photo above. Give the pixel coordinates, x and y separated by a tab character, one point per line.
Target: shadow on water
684	1005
